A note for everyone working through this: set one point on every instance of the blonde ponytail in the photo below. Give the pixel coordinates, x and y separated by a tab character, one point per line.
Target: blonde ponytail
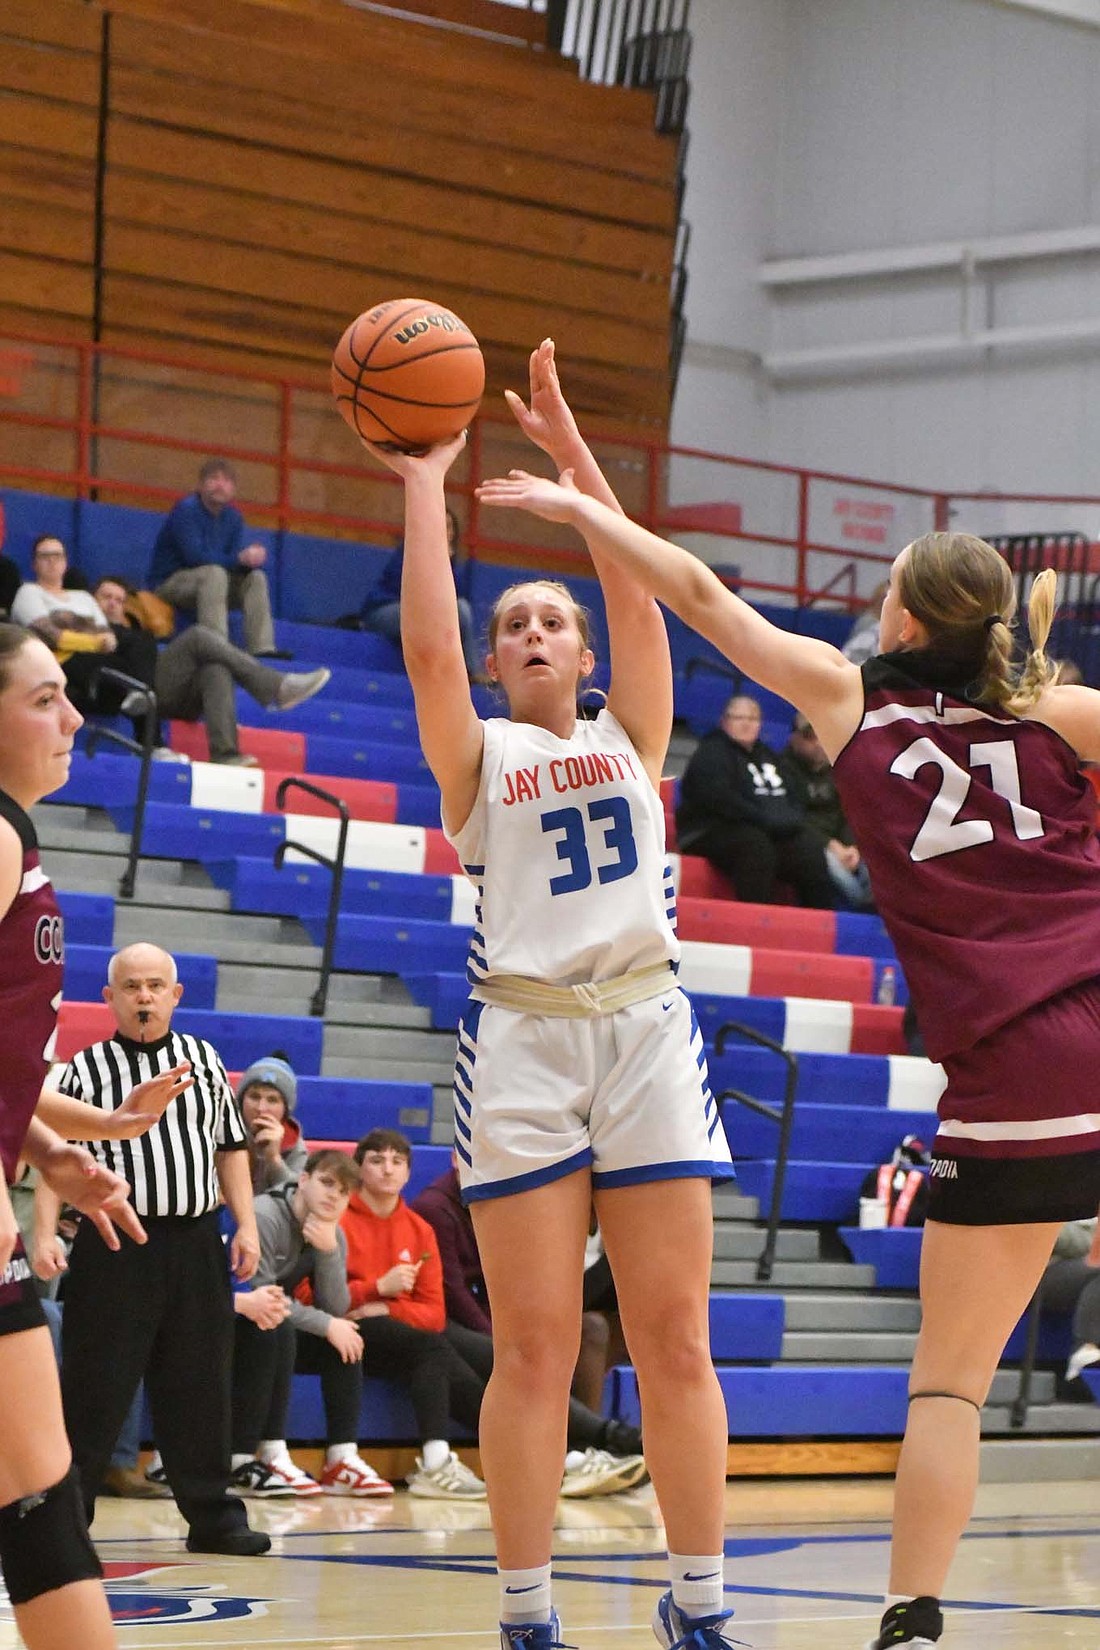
1037	672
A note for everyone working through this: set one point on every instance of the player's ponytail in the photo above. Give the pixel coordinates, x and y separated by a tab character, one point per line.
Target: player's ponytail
1038	672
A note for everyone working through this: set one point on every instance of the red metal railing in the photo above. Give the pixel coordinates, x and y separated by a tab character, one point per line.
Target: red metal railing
91	420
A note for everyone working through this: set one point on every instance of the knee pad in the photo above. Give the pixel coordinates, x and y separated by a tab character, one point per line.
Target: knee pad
44	1541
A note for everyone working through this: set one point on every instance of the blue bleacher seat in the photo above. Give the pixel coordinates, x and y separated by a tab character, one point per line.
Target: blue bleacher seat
242	1038
89	919
303	890
830	1134
360	684
893	1251
173	831
789	1401
418	805
366	758
324	579
389	945
107	780
395	724
748	1327
814	1192
339	1108
27	516
115	538
860	1080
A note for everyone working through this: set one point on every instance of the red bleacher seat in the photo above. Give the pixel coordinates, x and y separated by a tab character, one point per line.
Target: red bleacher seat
877	1029
778	927
440	858
79	1024
373	799
699	879
272	747
806	974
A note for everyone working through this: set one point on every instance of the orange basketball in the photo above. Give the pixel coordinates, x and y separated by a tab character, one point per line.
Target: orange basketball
408	372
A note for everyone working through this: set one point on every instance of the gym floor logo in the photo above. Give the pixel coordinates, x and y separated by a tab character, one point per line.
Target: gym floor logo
142	1593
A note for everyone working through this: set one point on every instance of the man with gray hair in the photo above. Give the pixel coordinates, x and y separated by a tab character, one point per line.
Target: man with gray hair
162	1311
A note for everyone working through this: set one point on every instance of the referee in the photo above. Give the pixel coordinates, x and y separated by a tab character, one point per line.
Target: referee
162	1311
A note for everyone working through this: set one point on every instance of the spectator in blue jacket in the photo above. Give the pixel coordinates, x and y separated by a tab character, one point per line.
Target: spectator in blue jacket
381	611
202	564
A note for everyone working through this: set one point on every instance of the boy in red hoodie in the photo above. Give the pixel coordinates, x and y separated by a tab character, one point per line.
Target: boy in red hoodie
395	1277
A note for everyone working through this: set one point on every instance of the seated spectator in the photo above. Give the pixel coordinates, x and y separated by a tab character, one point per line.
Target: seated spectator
862	643
605	1455
193	676
267	1094
202	565
1071	1284
736	809
381	611
814	789
300	1242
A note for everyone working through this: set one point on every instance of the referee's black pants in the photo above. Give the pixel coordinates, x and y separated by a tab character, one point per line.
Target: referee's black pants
163	1311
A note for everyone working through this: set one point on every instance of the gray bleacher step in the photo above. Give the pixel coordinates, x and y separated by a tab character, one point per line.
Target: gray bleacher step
878	1313
227	936
1006	1384
1025	1460
740	1242
91	834
792	1274
371	1042
380	1070
354	1014
1044	1419
158	882
847	1347
730	1204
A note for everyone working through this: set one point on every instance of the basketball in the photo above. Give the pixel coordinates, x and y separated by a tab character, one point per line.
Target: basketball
408	373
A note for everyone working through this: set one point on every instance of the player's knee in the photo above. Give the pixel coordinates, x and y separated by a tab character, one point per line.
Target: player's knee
673	1348
44	1541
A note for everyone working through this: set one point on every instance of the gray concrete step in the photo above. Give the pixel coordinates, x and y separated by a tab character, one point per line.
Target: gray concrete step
847	1347
787	1274
379	1069
1044	1420
877	1313
737	1241
226	935
1026	1460
730	1204
376	1042
158	881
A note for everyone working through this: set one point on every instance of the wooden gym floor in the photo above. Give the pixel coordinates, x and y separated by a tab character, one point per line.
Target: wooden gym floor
806	1564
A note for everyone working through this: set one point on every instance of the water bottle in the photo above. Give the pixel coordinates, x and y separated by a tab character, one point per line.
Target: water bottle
887	986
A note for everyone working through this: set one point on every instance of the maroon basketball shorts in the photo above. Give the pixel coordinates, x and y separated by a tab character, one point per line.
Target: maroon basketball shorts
1019	1134
20	1307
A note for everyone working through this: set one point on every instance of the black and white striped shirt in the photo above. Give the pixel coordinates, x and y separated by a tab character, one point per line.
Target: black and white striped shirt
170	1169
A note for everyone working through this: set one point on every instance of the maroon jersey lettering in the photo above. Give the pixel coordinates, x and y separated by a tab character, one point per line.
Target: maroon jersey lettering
32	953
978	833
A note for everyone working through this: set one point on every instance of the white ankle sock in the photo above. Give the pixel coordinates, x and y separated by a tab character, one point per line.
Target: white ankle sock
272	1449
525	1594
340	1452
236	1461
696	1583
434	1452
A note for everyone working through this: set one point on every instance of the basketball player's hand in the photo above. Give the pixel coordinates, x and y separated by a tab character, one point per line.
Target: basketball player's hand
48	1258
548	421
346	1339
435	461
266	1307
244	1253
147	1102
97	1192
552	500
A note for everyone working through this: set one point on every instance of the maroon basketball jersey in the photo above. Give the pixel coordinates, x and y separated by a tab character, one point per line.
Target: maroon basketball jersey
31	958
978	833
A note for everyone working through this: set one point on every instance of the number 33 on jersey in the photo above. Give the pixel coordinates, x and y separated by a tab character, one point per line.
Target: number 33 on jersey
566	844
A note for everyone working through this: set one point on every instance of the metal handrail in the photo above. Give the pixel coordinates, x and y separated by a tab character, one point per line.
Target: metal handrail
783	1115
144	750
1017	1415
335	865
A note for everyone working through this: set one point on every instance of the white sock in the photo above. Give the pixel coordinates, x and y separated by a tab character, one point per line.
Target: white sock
272	1449
434	1453
340	1452
525	1594
236	1461
155	1462
696	1583
897	1598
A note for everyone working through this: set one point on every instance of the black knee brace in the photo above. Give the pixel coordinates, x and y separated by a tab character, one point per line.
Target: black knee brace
44	1541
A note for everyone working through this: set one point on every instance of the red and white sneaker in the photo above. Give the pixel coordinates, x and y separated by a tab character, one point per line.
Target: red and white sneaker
284	1471
353	1477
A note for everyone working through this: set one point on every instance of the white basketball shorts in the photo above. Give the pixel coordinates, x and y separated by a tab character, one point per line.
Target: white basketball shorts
540	1096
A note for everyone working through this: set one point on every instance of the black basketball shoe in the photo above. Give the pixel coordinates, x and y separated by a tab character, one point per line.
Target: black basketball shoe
913	1626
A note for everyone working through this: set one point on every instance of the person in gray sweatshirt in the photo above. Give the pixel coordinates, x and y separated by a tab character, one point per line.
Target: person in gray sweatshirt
300	1242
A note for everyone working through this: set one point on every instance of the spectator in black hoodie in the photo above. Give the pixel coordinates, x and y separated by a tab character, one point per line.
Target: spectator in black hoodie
736	809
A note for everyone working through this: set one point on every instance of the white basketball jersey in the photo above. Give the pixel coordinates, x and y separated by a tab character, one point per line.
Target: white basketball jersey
566	845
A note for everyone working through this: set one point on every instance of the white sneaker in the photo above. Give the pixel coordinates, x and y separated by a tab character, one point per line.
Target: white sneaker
452	1481
284	1471
353	1476
297	686
1086	1355
598	1473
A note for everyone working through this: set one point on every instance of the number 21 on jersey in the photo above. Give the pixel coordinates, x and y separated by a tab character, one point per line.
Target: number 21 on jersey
942	831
